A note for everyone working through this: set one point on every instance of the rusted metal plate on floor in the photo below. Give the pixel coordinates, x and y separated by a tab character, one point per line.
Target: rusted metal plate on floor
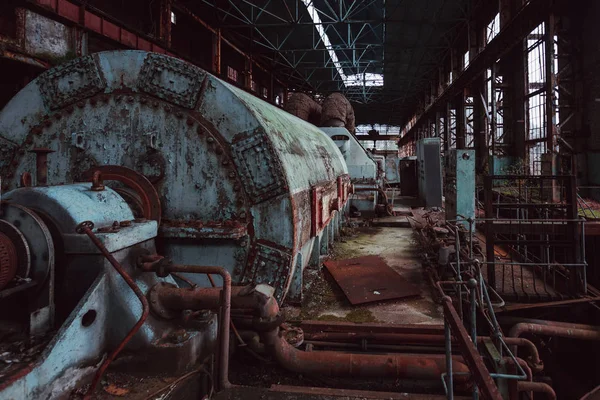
392	222
402	211
368	279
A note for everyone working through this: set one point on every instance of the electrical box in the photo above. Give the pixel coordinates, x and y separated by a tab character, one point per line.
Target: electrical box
459	189
429	169
408	176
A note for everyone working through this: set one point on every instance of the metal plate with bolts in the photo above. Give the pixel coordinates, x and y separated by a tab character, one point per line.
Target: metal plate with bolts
368	279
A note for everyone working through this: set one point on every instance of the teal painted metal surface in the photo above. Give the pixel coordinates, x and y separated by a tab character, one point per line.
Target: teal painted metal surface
362	168
235	175
98	305
459	189
392	170
429	171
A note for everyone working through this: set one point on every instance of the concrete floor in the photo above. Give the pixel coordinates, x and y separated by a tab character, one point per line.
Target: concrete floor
324	300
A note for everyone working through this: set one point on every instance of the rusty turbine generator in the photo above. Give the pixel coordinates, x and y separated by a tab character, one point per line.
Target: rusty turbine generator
142	201
207	172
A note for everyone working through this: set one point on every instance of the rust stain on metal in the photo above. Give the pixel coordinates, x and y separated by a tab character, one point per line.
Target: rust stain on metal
369	278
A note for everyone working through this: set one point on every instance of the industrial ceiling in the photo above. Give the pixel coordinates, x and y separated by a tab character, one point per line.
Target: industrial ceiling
381	54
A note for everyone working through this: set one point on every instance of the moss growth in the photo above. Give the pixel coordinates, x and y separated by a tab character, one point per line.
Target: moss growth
58	60
590	214
358	316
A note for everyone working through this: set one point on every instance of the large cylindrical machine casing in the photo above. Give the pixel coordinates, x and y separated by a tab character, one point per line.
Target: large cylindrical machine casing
242	184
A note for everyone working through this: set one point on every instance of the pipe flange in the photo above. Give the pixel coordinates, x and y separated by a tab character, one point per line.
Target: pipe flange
156	305
293	335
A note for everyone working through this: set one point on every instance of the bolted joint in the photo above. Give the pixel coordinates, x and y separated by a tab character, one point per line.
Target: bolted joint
162	267
84	227
97	182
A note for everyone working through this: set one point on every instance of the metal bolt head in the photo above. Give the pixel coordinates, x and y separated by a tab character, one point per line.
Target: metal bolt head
471	283
210	139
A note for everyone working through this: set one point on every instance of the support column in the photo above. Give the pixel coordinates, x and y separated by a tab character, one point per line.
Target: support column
515	105
493	119
447	128
272	89
480	137
438	125
216	52
550	84
461	122
248	74
550	105
477	42
164	29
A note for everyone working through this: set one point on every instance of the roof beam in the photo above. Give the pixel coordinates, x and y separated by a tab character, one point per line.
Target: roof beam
530	16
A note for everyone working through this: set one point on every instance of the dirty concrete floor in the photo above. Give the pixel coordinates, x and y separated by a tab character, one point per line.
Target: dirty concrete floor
324	300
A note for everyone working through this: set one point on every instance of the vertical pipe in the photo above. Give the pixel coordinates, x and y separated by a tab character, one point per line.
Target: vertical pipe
216	52
489	233
472	285
225	314
448	339
41	165
86	228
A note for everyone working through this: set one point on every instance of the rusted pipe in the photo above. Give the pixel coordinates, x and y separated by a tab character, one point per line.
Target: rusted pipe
411	366
403	338
555	330
536	362
86	228
210	298
571	325
339	326
538	387
332	363
41	165
337	111
304	107
394	348
512	384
